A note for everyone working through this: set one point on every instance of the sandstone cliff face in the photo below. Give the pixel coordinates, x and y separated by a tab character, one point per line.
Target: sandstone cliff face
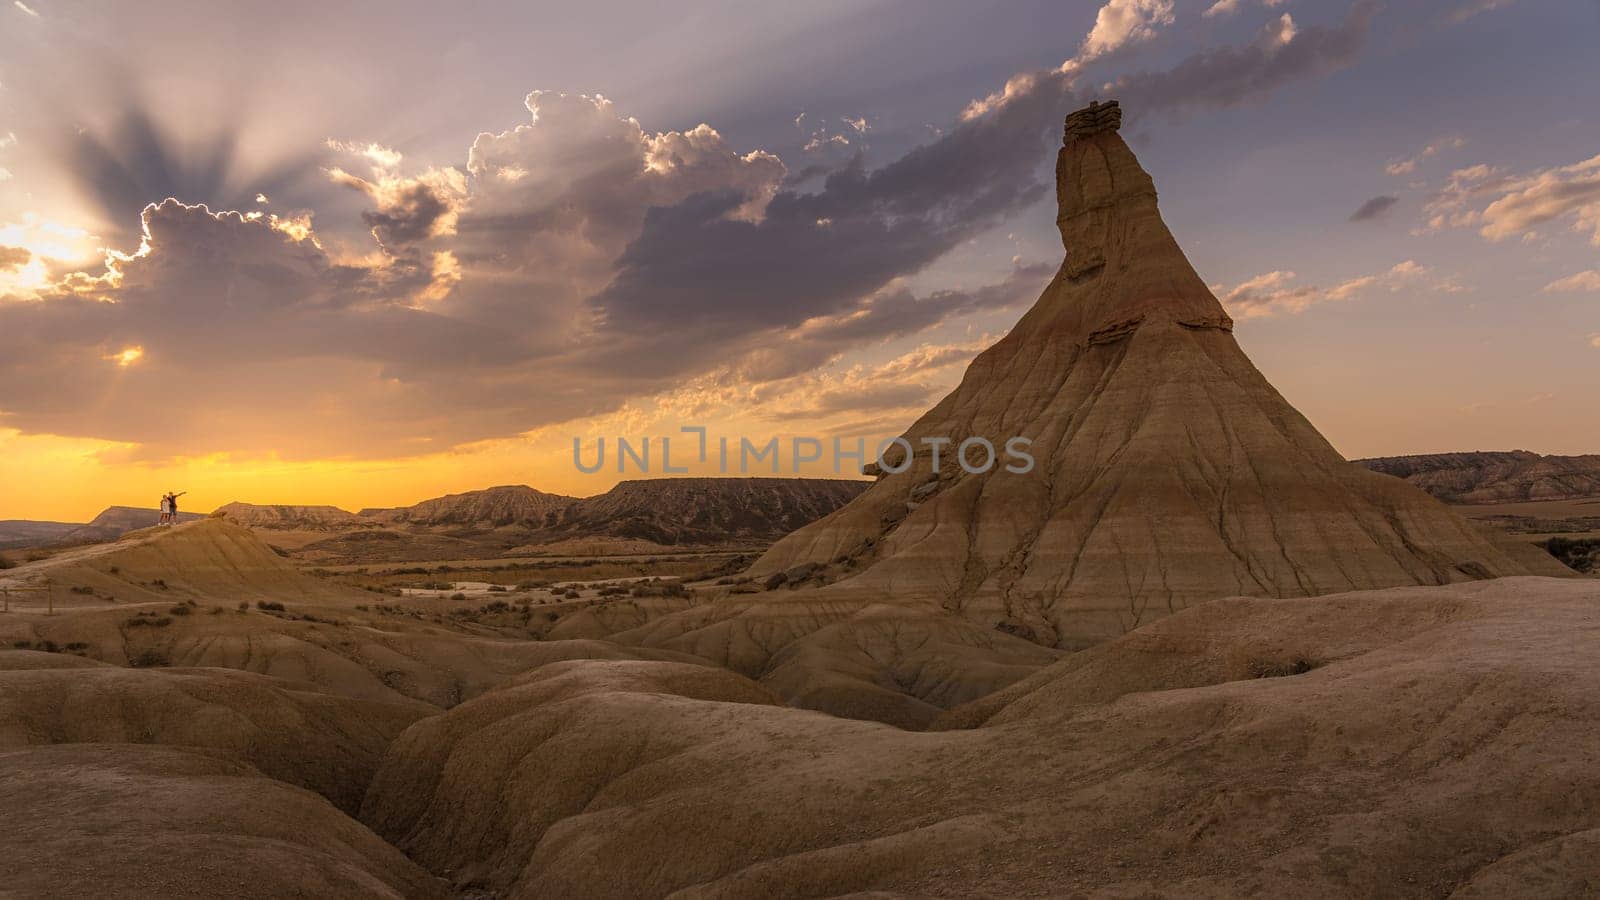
1169	471
1507	477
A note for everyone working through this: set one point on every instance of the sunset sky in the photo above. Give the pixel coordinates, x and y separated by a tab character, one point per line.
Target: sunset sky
365	254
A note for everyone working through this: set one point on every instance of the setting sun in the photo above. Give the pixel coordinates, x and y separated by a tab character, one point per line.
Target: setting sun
127	357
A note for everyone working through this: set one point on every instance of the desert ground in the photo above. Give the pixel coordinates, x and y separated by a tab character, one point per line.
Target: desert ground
1197	653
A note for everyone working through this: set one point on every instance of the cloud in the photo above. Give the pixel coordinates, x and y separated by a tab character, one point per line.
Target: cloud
25	8
1594	340
564	267
14	257
1229	7
1587	281
890	313
1274	293
901	384
1463	11
1503	205
1375	208
1408	165
1281	52
1122	22
409	210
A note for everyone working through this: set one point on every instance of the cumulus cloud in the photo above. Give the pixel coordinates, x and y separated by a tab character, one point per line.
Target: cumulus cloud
1375	208
1587	281
1503	205
1122	22
1275	293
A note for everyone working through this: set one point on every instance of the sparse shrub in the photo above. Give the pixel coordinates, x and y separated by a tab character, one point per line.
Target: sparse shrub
146	620
21	645
497	589
570	594
552	615
114	570
612	590
149	659
82	589
496	606
244	606
76	647
6	563
1269	663
179	610
159	583
1578	554
269	606
36	556
49	647
458	597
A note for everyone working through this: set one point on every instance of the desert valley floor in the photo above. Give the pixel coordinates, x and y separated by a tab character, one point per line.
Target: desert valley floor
202	718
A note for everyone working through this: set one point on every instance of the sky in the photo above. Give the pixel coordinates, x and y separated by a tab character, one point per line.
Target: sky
364	254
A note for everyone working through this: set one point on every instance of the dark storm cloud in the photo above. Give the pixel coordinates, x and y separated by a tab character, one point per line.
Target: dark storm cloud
695	271
1375	208
894	312
1226	76
13	257
899	313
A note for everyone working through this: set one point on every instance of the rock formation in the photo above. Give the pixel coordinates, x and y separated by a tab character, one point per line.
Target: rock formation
1168	470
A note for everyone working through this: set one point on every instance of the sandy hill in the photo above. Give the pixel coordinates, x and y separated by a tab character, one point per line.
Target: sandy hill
303	518
1495	477
1168	470
1412	742
207	559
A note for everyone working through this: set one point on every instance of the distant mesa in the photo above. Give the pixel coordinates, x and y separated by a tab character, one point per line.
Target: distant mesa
317	518
1516	476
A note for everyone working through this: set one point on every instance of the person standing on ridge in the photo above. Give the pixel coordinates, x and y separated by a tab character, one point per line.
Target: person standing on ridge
166	508
172	506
